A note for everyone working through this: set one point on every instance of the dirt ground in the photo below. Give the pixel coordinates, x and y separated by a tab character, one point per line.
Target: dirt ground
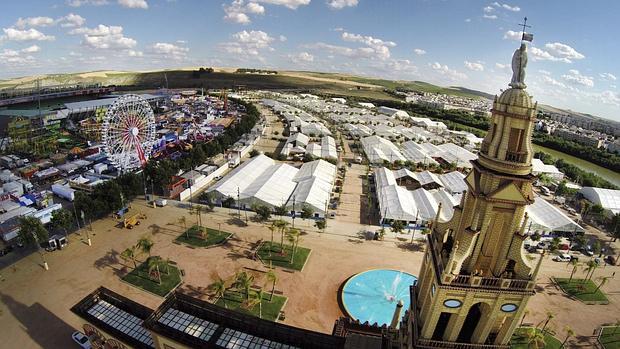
34	303
274	125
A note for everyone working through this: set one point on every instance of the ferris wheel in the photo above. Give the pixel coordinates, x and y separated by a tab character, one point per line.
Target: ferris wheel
128	132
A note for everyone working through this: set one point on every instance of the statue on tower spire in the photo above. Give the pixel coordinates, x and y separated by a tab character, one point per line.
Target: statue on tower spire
519	59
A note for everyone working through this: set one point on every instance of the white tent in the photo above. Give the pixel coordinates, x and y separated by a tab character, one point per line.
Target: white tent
379	149
548	218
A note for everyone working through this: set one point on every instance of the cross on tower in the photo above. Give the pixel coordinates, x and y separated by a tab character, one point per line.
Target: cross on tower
524	24
526	36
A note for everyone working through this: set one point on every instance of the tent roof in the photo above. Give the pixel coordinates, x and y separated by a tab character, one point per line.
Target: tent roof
544	216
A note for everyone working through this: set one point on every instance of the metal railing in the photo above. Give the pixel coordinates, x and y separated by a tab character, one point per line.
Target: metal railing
429	343
515	156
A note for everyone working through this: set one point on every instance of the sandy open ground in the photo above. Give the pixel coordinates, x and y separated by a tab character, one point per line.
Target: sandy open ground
35	303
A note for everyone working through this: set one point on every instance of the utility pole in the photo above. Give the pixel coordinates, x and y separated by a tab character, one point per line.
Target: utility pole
294	212
238	204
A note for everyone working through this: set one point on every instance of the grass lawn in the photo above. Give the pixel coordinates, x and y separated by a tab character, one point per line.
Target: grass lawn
582	291
140	278
234	300
610	338
282	256
214	237
519	340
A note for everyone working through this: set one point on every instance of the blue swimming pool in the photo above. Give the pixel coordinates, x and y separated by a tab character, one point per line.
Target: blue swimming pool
372	295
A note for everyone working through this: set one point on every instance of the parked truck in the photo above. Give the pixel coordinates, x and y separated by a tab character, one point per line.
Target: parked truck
63	191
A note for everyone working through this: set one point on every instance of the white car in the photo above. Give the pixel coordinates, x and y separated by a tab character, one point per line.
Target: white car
161	202
564	257
81	339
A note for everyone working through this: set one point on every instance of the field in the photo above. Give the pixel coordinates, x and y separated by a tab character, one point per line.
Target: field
192	237
520	340
237	301
585	292
141	278
610	338
607	174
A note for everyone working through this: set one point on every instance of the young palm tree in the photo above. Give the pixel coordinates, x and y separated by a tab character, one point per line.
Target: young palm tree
569	333
272	229
183	220
153	267
604	280
243	281
550	317
251	303
130	254
218	289
145	245
273	278
589	270
535	339
575	264
165	264
293	237
260	294
525	313
281	225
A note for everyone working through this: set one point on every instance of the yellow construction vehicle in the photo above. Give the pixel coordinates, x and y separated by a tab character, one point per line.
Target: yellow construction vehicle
134	219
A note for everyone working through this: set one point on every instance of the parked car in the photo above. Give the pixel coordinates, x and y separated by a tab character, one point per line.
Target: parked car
161	202
588	251
564	257
610	260
81	339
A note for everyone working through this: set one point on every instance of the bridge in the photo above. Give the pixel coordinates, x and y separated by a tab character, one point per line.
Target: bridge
25	95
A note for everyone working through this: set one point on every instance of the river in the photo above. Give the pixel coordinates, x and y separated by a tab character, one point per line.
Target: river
608	174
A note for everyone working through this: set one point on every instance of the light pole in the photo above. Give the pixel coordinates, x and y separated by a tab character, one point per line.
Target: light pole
86	230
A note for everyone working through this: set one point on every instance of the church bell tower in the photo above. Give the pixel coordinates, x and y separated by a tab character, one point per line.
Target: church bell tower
475	281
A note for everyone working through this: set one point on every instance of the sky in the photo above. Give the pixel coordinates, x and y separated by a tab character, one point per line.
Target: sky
573	59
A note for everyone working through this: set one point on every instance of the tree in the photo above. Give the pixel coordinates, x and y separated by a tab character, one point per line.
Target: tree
197	211
262	212
183	220
596	247
254	153
544	179
218	289
525	313
280	210
589	270
293	237
550	316
228	202
569	333
321	224
32	233
555	244
604	280
251	303
575	264
397	226
615	226
243	281
535	339
153	267
535	237
281	226
307	211
130	254
260	294
145	245
273	278
62	219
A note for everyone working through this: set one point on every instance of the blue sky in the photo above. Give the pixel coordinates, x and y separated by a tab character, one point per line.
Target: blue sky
572	61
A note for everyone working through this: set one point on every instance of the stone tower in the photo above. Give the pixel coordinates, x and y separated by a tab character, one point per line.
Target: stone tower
475	281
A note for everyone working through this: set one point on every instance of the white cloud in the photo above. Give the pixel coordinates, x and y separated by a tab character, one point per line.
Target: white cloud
31	49
71	21
557	52
31	34
380	47
488	9
507	7
489	16
419	51
283	38
134	3
474	66
544	72
608	77
132	53
339	4
609	97
467	20
513	35
502	66
446	71
78	3
551	81
170	50
34	22
292	4
575	77
105	37
302	57
238	10
248	43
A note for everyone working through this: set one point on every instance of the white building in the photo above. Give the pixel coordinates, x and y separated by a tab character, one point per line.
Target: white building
608	198
393	112
547	218
379	149
539	167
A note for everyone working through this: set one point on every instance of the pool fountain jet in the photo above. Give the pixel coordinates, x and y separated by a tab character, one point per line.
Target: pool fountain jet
373	295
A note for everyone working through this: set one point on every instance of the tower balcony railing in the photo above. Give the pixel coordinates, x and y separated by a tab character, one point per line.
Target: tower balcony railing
516	156
429	343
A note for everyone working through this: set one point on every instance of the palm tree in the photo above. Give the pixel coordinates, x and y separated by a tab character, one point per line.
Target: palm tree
260	294
250	303
153	267
569	333
165	263
604	281
575	264
130	254
293	237
145	245
243	281
183	220
525	313
273	278
535	339
272	228
218	288
281	225
550	317
589	270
